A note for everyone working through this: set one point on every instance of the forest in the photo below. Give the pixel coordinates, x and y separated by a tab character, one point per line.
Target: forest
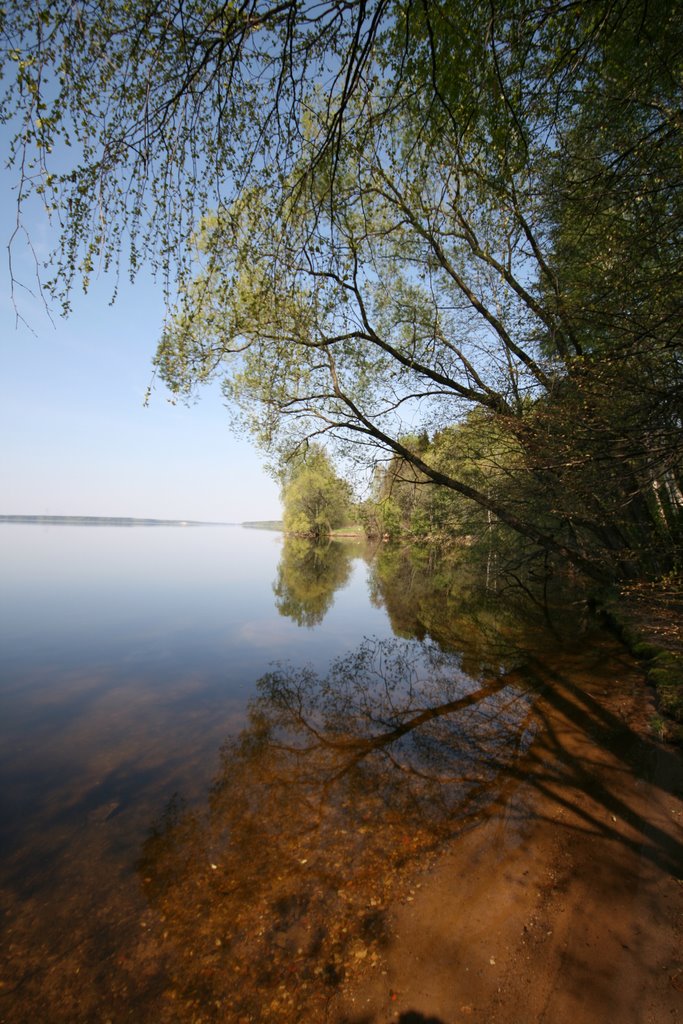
428	252
439	240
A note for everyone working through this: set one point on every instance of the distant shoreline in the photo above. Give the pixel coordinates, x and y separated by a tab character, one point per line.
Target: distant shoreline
104	521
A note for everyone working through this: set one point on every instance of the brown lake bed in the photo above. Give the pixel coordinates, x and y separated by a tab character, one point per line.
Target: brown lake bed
452	818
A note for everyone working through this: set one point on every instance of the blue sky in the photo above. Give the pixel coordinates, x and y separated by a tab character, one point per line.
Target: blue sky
76	437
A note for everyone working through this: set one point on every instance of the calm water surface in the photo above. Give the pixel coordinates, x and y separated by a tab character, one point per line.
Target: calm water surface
218	752
128	654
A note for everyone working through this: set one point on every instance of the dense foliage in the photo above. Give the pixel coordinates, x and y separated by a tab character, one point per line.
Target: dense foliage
315	499
421	219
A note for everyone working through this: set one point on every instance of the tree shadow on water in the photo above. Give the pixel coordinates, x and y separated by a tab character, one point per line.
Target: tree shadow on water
407	1017
415	1017
340	786
562	767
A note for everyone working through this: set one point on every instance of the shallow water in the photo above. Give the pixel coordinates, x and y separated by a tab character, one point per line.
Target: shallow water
128	654
220	755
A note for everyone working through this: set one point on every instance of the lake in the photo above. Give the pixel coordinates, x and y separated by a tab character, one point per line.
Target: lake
221	752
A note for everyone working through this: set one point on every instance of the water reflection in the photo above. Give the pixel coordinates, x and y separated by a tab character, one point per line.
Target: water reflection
337	783
440	594
321	804
308	576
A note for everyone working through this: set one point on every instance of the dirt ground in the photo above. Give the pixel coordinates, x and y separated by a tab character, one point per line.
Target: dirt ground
566	905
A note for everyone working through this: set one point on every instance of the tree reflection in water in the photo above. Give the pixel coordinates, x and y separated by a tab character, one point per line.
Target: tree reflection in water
275	891
308	577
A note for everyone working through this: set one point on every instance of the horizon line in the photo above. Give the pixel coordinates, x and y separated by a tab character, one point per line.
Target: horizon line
142	520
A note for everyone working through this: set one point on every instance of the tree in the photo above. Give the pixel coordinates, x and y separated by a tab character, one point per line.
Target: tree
420	270
316	500
131	121
407	224
398	495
